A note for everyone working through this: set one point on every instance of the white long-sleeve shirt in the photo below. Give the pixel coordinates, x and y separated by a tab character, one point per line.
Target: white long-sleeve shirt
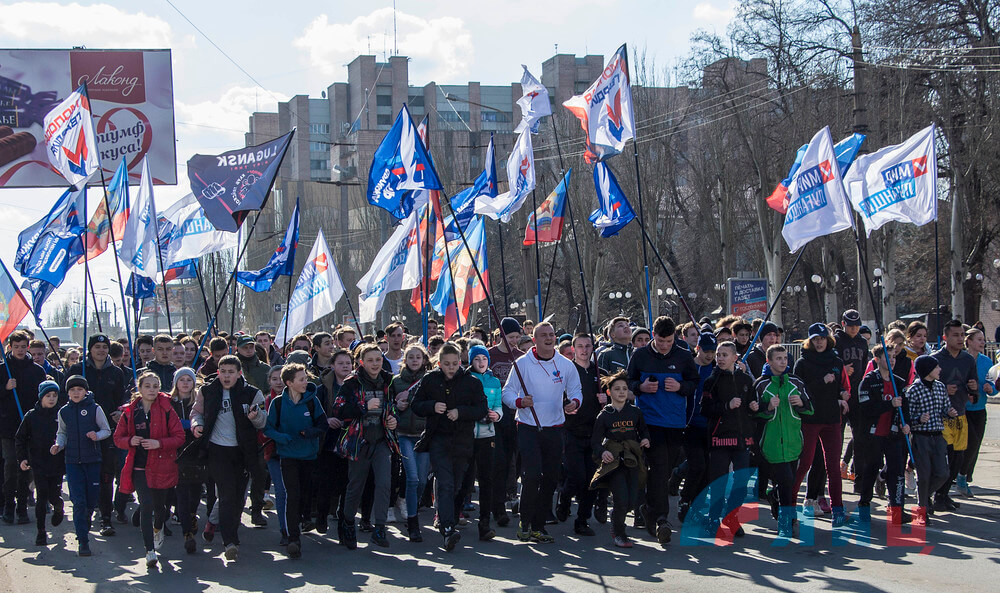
547	381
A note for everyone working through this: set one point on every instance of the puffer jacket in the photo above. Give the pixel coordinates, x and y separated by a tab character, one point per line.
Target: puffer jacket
161	463
492	388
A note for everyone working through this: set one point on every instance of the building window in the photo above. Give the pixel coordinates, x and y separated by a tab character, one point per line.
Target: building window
319	128
319	165
416	100
495	116
451	116
319	147
383	100
384	119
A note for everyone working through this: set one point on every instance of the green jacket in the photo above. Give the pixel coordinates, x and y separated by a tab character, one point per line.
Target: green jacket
410	424
782	439
255	372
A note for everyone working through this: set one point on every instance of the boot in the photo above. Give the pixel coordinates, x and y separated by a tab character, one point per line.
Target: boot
257	518
413	529
41	539
786	522
486	533
839	516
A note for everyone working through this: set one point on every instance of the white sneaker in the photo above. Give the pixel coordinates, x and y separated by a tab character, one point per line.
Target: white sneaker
390	516
911	481
810	509
151	559
401	510
268	502
158	538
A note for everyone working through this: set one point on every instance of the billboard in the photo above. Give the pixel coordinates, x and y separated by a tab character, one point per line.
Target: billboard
131	96
747	297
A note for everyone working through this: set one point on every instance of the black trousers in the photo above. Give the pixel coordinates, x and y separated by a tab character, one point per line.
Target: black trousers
541	457
152	507
231	471
783	475
578	459
449	473
297	476
331	484
976	420
720	459
666	446
696	451
481	469
624	486
505	442
188	498
15	480
48	490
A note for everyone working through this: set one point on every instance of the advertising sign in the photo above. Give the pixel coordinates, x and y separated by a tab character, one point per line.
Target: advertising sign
131	97
747	297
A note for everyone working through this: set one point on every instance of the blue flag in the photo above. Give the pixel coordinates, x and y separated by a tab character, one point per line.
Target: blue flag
48	249
401	163
613	209
282	262
231	185
40	292
140	287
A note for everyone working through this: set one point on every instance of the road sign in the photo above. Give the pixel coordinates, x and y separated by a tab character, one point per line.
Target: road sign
279	307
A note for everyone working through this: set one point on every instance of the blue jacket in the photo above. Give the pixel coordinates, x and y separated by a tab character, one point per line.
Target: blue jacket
296	427
75	421
667	409
492	389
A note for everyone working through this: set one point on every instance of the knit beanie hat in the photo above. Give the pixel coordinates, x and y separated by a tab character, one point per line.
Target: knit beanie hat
184	372
925	365
77	381
768	327
509	325
299	356
707	342
47	386
477	350
96	339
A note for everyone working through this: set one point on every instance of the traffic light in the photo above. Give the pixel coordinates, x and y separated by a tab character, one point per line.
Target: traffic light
75	324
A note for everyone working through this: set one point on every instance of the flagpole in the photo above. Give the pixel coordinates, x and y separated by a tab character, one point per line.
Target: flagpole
451	272
201	285
288	301
493	309
503	271
670	277
118	270
538	259
93	296
163	271
552	269
86	271
770	309
937	284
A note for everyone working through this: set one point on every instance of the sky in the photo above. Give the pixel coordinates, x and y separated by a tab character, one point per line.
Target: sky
233	58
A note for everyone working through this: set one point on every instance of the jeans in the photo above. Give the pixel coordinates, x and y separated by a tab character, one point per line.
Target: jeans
417	466
47	490
666	446
15	480
578	459
84	482
297	476
720	458
449	473
977	428
152	507
831	441
541	457
376	459
930	454
274	468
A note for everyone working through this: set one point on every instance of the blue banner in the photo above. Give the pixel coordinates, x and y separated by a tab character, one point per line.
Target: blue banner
49	248
282	262
401	163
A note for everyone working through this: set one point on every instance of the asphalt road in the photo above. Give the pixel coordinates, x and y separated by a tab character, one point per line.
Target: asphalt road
959	552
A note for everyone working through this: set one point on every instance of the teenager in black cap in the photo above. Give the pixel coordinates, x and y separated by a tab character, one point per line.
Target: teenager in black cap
757	357
852	348
107	384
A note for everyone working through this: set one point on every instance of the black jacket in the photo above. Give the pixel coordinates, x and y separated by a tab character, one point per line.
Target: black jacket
728	427
28	376
872	403
581	424
164	371
463	393
756	361
242	393
106	383
35	437
810	369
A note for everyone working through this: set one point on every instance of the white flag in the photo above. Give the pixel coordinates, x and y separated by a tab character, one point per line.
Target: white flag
70	140
138	248
605	110
896	183
396	267
534	103
521	180
186	233
817	202
316	293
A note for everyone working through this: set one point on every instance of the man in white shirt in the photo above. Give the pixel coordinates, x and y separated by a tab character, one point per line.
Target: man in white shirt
551	389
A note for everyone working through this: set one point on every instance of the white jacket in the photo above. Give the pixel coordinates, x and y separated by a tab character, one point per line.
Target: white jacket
547	381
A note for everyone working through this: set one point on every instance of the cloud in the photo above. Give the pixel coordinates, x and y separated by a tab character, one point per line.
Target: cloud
41	24
441	48
708	12
230	112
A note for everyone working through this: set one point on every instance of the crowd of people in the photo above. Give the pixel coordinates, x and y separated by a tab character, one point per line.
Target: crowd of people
513	425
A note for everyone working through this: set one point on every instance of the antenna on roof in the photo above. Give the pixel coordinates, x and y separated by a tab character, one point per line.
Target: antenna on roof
395	48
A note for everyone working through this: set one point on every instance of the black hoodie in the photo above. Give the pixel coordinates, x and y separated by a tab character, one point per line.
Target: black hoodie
728	427
35	437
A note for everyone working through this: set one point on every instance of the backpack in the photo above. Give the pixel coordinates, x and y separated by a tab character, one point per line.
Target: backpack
310	405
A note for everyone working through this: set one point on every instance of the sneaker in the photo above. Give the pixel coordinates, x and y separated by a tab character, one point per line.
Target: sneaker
268	503
844	472
734	526
120	517
401	514
486	533
503	520
462	519
190	543
523	532
379	538
469	507
390	516
322	526
839	517
307	526
920	517
541	537
911	480
135	518
257	518
865	514
662	531
451	539
232	552
41	539
581	528
158	537
366	526
294	549
601	513
880	487
940	505
22	518
674	483
413	529
349	539
809	508
57	516
952	505
682	511
647	519
107	530
824	505
84	549
772	499
150	559
962	487
622	541
209	533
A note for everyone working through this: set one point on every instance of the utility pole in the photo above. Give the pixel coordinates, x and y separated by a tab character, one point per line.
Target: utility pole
860	127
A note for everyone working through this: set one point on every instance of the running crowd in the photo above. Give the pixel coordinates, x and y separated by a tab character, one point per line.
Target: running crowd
519	420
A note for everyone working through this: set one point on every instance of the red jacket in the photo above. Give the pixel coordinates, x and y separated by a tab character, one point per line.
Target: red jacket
161	464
